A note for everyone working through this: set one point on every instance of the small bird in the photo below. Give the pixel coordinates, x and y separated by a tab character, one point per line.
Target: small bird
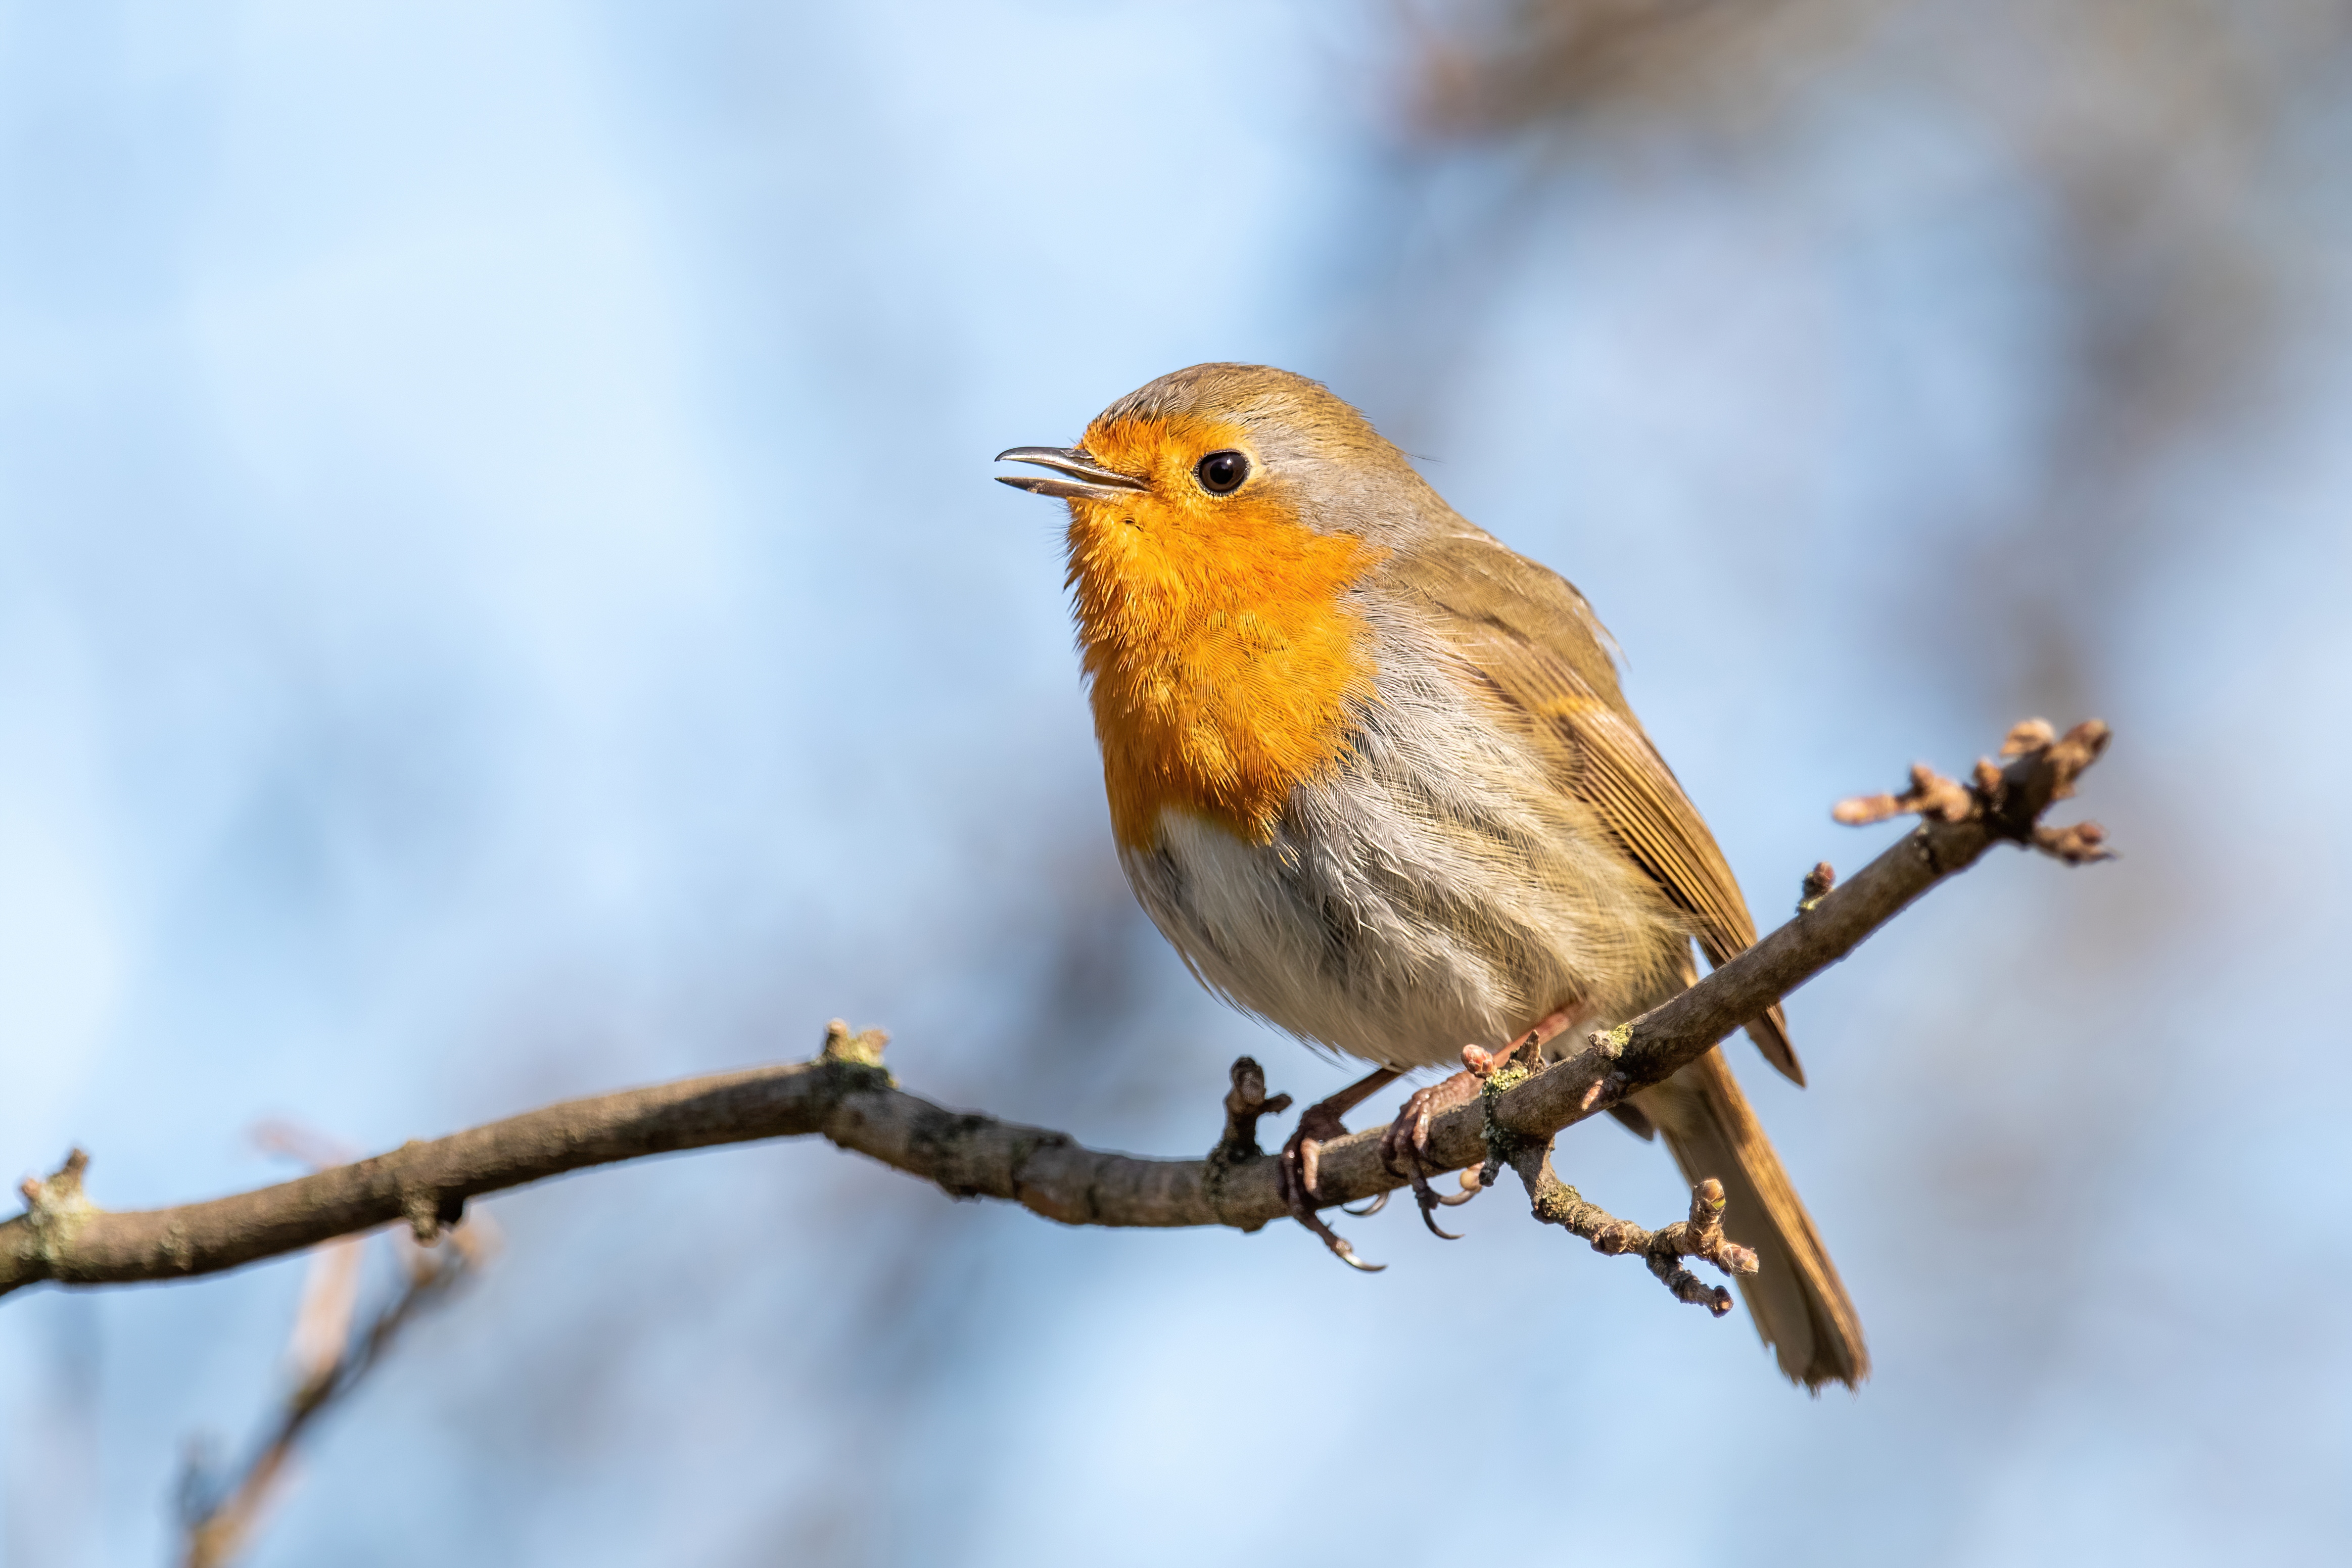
1370	772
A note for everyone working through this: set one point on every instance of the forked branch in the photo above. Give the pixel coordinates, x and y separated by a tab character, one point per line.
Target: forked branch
846	1095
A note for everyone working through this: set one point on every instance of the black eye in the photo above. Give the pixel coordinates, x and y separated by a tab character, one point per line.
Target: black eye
1221	472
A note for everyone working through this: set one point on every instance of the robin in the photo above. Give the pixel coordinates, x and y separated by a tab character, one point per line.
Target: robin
1372	773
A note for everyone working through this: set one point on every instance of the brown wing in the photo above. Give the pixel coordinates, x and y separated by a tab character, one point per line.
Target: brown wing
1531	633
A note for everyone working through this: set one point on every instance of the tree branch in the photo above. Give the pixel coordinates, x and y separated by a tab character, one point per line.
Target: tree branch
846	1096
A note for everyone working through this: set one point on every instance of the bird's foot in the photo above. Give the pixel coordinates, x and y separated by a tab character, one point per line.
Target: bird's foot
1404	1147
1295	1169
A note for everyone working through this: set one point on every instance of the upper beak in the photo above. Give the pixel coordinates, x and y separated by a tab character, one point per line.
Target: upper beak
1104	484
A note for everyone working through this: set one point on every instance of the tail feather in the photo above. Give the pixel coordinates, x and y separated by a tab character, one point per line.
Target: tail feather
1770	1033
1799	1304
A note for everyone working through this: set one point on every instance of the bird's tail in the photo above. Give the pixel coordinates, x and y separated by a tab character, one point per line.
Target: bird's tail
1800	1305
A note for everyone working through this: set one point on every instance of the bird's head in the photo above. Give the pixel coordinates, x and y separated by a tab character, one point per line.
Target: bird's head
1227	451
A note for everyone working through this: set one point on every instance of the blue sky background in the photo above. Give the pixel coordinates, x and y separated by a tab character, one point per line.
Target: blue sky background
501	598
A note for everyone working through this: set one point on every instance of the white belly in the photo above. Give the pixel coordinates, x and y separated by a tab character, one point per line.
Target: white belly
1435	892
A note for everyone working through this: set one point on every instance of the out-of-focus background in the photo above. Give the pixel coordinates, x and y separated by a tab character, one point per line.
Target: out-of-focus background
501	598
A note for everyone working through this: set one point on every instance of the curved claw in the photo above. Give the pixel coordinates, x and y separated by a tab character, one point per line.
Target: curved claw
1378	1201
1295	1175
1425	1195
1427	1198
1333	1240
1411	1168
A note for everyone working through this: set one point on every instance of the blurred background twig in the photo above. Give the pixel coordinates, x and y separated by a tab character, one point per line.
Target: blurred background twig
331	1352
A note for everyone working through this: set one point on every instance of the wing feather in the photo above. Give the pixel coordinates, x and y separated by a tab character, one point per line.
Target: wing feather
1536	641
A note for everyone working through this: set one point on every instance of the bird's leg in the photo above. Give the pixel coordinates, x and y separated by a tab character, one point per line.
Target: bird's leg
1295	1167
1404	1147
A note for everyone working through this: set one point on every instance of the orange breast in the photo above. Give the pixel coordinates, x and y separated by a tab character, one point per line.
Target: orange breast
1221	658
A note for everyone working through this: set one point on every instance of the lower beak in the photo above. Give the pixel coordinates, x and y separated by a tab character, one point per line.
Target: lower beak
1101	484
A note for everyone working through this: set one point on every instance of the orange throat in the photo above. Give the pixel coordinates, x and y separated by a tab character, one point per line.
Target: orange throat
1220	654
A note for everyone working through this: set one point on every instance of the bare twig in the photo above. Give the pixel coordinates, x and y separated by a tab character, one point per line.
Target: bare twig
221	1515
846	1096
1701	1236
2009	800
1245	1103
1557	1203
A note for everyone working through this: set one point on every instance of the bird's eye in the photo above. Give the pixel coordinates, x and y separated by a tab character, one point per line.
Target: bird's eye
1221	472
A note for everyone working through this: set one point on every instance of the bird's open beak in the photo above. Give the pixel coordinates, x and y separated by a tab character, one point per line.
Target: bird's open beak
1101	484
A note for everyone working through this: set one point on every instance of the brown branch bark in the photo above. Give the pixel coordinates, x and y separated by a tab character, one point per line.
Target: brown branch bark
1701	1236
846	1096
